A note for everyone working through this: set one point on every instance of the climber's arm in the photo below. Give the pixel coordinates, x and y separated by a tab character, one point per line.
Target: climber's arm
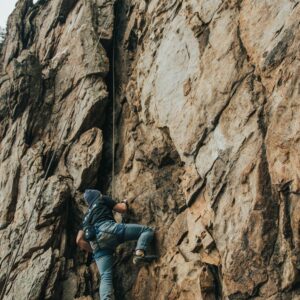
121	207
82	243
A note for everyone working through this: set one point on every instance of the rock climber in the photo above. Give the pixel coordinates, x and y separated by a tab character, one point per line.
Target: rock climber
101	234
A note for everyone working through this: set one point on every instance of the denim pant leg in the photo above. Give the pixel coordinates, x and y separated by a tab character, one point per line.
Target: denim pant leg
105	267
109	234
142	233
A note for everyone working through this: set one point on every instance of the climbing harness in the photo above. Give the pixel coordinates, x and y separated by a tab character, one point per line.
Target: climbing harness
11	264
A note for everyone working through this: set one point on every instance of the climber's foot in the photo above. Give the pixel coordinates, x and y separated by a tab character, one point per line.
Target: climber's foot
145	259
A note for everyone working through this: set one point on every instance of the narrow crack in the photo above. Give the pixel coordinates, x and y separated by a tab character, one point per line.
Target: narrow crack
105	172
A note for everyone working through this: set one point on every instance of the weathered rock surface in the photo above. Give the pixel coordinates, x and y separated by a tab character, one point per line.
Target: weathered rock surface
207	145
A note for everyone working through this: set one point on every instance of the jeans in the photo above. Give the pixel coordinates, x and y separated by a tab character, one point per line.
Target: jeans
105	266
105	263
142	233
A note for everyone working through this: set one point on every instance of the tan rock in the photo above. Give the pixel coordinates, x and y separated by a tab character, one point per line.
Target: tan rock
84	157
206	140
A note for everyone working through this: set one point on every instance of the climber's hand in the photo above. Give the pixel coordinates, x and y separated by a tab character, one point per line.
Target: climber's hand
121	207
82	243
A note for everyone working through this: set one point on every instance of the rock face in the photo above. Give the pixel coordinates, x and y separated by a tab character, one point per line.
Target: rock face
206	140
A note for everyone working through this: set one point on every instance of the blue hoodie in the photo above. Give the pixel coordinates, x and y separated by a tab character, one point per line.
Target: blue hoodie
91	196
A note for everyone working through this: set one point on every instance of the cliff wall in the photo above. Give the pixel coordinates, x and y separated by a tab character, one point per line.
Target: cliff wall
200	101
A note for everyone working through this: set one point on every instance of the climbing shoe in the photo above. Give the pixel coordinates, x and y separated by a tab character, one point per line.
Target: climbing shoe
143	259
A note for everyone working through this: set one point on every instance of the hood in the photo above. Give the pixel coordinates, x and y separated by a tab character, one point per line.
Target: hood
90	196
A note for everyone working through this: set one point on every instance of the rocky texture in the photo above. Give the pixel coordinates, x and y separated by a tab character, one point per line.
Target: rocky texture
53	101
207	131
2	37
